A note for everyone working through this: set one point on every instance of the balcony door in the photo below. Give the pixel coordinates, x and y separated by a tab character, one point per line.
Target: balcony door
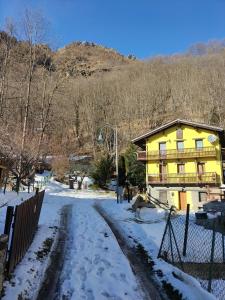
162	172
180	172
180	168
200	170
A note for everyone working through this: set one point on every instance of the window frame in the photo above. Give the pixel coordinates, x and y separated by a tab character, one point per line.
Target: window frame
181	149
196	142
180	164
199	197
179	133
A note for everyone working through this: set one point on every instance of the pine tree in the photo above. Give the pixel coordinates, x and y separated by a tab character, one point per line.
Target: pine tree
103	170
136	172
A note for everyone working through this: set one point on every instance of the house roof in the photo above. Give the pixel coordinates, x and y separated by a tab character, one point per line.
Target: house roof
142	137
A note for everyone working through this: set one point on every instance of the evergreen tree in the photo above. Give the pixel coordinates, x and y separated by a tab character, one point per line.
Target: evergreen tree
103	170
136	171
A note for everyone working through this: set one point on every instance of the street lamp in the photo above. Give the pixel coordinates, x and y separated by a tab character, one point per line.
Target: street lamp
115	135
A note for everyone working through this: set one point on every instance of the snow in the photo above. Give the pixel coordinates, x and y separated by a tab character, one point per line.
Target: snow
149	233
95	266
11	198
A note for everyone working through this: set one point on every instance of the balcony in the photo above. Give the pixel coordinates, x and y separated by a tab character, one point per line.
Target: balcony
177	154
185	178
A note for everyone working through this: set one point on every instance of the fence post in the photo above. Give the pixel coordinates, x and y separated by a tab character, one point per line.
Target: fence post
164	234
5	184
186	230
176	245
223	247
37	191
171	241
10	264
8	219
212	258
128	193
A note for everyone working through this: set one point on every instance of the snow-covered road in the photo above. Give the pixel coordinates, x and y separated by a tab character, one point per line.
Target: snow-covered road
94	266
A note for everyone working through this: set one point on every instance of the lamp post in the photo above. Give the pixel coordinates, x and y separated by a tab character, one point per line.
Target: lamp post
115	135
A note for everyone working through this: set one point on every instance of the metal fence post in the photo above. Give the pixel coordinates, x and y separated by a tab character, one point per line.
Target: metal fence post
176	245
171	241
164	234
186	230
212	258
223	247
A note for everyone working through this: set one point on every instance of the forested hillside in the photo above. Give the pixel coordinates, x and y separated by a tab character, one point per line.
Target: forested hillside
55	101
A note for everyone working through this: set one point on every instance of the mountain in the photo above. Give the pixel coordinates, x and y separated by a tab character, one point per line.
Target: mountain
86	59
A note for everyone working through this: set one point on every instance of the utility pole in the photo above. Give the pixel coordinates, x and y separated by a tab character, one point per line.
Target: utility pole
117	164
115	133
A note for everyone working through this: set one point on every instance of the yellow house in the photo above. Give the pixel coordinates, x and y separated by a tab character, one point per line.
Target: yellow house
183	162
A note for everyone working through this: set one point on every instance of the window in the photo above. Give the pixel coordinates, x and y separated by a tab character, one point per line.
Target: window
180	168
162	148
180	145
179	134
199	144
163	196
202	197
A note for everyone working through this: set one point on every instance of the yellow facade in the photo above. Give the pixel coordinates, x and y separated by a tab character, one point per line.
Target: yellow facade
190	134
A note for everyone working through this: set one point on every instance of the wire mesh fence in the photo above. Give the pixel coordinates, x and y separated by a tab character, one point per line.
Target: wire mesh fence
195	250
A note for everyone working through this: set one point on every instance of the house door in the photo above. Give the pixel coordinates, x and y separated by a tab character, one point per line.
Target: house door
182	200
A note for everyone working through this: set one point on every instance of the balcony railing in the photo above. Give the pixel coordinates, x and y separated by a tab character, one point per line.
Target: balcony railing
185	178
177	154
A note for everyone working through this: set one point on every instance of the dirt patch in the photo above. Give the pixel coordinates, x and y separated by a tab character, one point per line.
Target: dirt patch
201	270
46	248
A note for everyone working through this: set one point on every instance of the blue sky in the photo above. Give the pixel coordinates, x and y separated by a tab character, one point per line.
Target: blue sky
144	28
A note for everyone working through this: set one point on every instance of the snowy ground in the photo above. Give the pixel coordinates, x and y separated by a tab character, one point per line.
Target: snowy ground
95	266
149	234
11	198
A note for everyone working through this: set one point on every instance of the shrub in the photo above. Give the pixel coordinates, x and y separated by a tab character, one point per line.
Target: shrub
103	170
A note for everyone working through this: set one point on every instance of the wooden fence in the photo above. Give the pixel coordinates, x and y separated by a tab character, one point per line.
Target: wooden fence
20	225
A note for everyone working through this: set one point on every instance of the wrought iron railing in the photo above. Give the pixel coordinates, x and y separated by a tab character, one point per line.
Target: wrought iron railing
175	153
184	178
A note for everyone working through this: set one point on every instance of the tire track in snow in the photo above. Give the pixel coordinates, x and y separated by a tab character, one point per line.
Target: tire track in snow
95	267
51	285
151	291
